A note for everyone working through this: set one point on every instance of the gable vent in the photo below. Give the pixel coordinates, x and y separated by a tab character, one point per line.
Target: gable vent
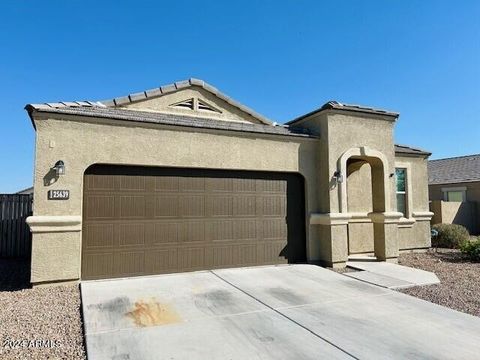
186	104
205	107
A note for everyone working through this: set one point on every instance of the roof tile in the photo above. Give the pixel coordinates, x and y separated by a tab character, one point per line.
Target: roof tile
182	84
168	88
175	120
454	170
137	96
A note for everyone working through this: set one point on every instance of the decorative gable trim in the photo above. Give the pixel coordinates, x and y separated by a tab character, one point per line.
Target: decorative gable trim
202	105
195	104
185	104
166	89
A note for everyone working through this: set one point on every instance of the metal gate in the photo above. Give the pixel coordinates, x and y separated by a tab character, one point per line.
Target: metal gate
15	236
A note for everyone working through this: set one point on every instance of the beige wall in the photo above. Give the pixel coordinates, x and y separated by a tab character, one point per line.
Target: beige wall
352	131
414	232
455	212
463	213
81	144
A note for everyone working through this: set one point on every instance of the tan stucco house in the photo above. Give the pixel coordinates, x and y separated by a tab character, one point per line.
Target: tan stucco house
454	191
183	178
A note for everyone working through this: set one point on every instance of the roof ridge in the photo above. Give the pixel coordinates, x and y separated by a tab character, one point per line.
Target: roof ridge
455	157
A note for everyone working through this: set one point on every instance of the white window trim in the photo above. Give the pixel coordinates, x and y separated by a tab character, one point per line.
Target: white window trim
407	221
463	189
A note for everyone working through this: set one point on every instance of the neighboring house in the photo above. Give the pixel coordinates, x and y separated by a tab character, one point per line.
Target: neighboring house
26	191
454	191
182	178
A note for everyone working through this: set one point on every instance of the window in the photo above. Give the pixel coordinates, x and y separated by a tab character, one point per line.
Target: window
455	194
401	190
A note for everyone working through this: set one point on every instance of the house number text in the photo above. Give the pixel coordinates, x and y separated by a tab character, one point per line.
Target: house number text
58	194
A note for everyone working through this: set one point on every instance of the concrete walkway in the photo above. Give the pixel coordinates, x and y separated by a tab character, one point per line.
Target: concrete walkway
392	276
274	312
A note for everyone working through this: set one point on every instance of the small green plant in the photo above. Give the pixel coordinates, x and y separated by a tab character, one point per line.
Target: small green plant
471	248
449	236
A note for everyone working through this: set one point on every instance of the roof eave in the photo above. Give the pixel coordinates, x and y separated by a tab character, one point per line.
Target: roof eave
60	113
30	110
334	105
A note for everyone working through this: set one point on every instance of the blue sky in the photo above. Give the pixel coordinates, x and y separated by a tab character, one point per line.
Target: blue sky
282	58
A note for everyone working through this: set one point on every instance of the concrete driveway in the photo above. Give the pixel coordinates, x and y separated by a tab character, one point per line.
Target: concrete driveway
273	312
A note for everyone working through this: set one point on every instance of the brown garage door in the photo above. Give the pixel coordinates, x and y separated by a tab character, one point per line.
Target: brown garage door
139	221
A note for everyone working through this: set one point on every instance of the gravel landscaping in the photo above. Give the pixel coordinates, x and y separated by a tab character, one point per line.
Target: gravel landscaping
459	286
40	323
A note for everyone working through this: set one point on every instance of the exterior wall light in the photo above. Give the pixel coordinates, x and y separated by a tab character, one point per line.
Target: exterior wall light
59	168
338	176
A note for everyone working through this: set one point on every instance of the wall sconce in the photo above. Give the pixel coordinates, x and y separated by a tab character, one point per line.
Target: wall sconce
337	175
59	168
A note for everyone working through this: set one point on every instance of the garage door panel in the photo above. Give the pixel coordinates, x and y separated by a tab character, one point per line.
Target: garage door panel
247	255
219	206
98	265
245	229
100	207
132	207
245	205
128	263
223	256
131	234
140	221
191	206
133	183
165	233
272	186
273	250
167	184
166	206
191	184
221	230
274	206
241	185
273	229
191	231
99	236
193	258
219	185
161	261
99	183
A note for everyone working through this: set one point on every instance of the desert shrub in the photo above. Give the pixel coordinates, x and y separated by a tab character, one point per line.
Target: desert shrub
471	248
450	235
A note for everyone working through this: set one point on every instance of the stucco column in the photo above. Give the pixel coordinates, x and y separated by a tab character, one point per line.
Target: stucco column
56	249
333	238
385	228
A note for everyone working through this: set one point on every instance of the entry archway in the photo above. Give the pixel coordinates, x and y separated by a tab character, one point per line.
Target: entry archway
381	215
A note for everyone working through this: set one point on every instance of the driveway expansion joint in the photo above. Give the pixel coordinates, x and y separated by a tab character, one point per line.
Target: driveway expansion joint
285	316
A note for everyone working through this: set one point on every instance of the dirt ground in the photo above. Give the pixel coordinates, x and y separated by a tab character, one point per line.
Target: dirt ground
459	286
40	323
